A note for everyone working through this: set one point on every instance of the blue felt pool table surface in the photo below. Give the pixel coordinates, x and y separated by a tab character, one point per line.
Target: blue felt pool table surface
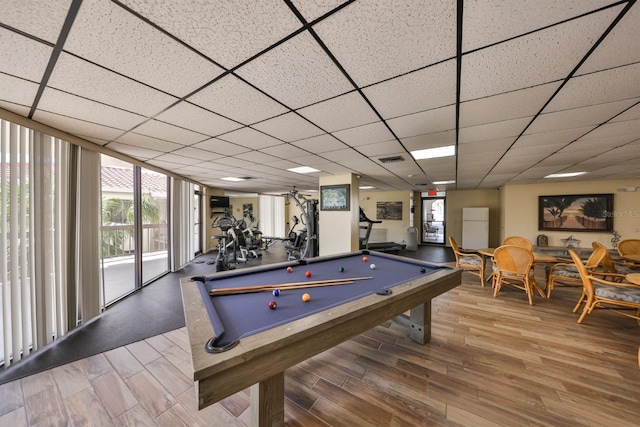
237	316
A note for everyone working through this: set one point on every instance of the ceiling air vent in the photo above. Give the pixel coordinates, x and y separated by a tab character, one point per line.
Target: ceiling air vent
244	178
391	159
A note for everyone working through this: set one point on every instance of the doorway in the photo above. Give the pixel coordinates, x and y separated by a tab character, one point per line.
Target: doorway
433	223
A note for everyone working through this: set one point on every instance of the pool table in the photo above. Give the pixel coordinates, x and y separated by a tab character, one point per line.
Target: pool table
238	341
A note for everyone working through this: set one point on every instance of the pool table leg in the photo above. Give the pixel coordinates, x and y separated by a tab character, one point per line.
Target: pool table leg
267	402
418	322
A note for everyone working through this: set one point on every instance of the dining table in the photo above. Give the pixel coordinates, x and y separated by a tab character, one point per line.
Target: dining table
538	258
633	278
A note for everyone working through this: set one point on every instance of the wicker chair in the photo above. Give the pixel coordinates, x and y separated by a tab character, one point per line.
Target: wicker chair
628	247
518	241
514	268
468	261
567	274
601	293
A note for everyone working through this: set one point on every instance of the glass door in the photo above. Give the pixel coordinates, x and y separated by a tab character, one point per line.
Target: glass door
433	220
154	219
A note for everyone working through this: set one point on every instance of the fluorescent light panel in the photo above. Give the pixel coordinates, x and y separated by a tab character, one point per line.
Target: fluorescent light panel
432	153
565	175
444	182
232	178
367	187
303	169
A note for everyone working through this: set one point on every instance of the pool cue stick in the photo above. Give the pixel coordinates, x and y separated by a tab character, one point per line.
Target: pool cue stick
284	286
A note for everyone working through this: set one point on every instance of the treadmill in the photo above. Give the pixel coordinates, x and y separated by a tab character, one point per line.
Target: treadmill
376	246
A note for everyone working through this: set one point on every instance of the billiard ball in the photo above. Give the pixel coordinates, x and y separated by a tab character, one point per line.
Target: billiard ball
422	270
273	305
308	274
306	297
276	292
372	266
289	269
341	269
365	259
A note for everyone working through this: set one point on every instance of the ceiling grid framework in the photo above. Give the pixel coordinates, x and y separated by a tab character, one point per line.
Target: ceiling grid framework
207	90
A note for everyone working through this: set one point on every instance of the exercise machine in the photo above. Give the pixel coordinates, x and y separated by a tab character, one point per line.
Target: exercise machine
376	246
305	242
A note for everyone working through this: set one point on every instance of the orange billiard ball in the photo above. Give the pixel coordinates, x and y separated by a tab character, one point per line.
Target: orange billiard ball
306	297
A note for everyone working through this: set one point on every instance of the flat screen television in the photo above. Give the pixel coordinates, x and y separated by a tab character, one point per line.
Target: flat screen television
218	202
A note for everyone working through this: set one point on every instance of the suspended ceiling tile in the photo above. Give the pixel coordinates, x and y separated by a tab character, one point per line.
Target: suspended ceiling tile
631	114
283	164
314	10
288	127
426	89
309	160
598	88
366	134
73	75
297	73
235	162
174	158
195	118
196	153
493	131
620	47
538	172
491	21
110	36
320	144
138	140
382	149
558	138
221	147
257	157
164	164
537	58
342	112
431	140
250	138
377	40
77	127
15	108
333	168
628	131
235	99
285	151
136	152
158	129
17	91
16	62
212	27
41	18
65	104
511	105
499	145
592	115
426	122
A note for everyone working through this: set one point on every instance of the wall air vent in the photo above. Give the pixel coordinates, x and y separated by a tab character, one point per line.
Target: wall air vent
391	159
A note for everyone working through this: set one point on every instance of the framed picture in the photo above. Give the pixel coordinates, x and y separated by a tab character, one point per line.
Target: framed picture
335	197
389	210
582	212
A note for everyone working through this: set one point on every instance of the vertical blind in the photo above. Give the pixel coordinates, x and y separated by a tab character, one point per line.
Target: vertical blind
39	298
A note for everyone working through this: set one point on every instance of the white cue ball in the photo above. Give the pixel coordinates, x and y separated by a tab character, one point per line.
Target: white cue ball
372	266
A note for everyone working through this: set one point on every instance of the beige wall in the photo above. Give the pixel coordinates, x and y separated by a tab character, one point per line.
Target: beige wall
456	200
521	210
338	230
396	230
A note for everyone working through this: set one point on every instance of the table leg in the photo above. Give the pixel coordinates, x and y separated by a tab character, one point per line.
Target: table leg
418	322
267	402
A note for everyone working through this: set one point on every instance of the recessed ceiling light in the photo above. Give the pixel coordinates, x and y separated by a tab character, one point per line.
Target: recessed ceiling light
432	153
303	169
232	178
367	187
443	182
565	175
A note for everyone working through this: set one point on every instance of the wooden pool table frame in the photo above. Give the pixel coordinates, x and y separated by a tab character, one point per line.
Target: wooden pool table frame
260	360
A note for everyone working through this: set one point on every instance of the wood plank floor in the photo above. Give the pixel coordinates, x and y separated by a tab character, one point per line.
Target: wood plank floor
491	362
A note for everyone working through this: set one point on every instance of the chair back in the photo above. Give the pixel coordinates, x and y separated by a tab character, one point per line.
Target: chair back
518	241
607	262
629	247
512	259
596	258
454	246
587	284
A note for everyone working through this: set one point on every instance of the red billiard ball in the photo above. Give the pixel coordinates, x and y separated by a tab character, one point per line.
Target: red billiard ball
308	274
273	305
289	269
365	259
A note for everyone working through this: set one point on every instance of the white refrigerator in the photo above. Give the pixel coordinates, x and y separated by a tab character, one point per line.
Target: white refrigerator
475	228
